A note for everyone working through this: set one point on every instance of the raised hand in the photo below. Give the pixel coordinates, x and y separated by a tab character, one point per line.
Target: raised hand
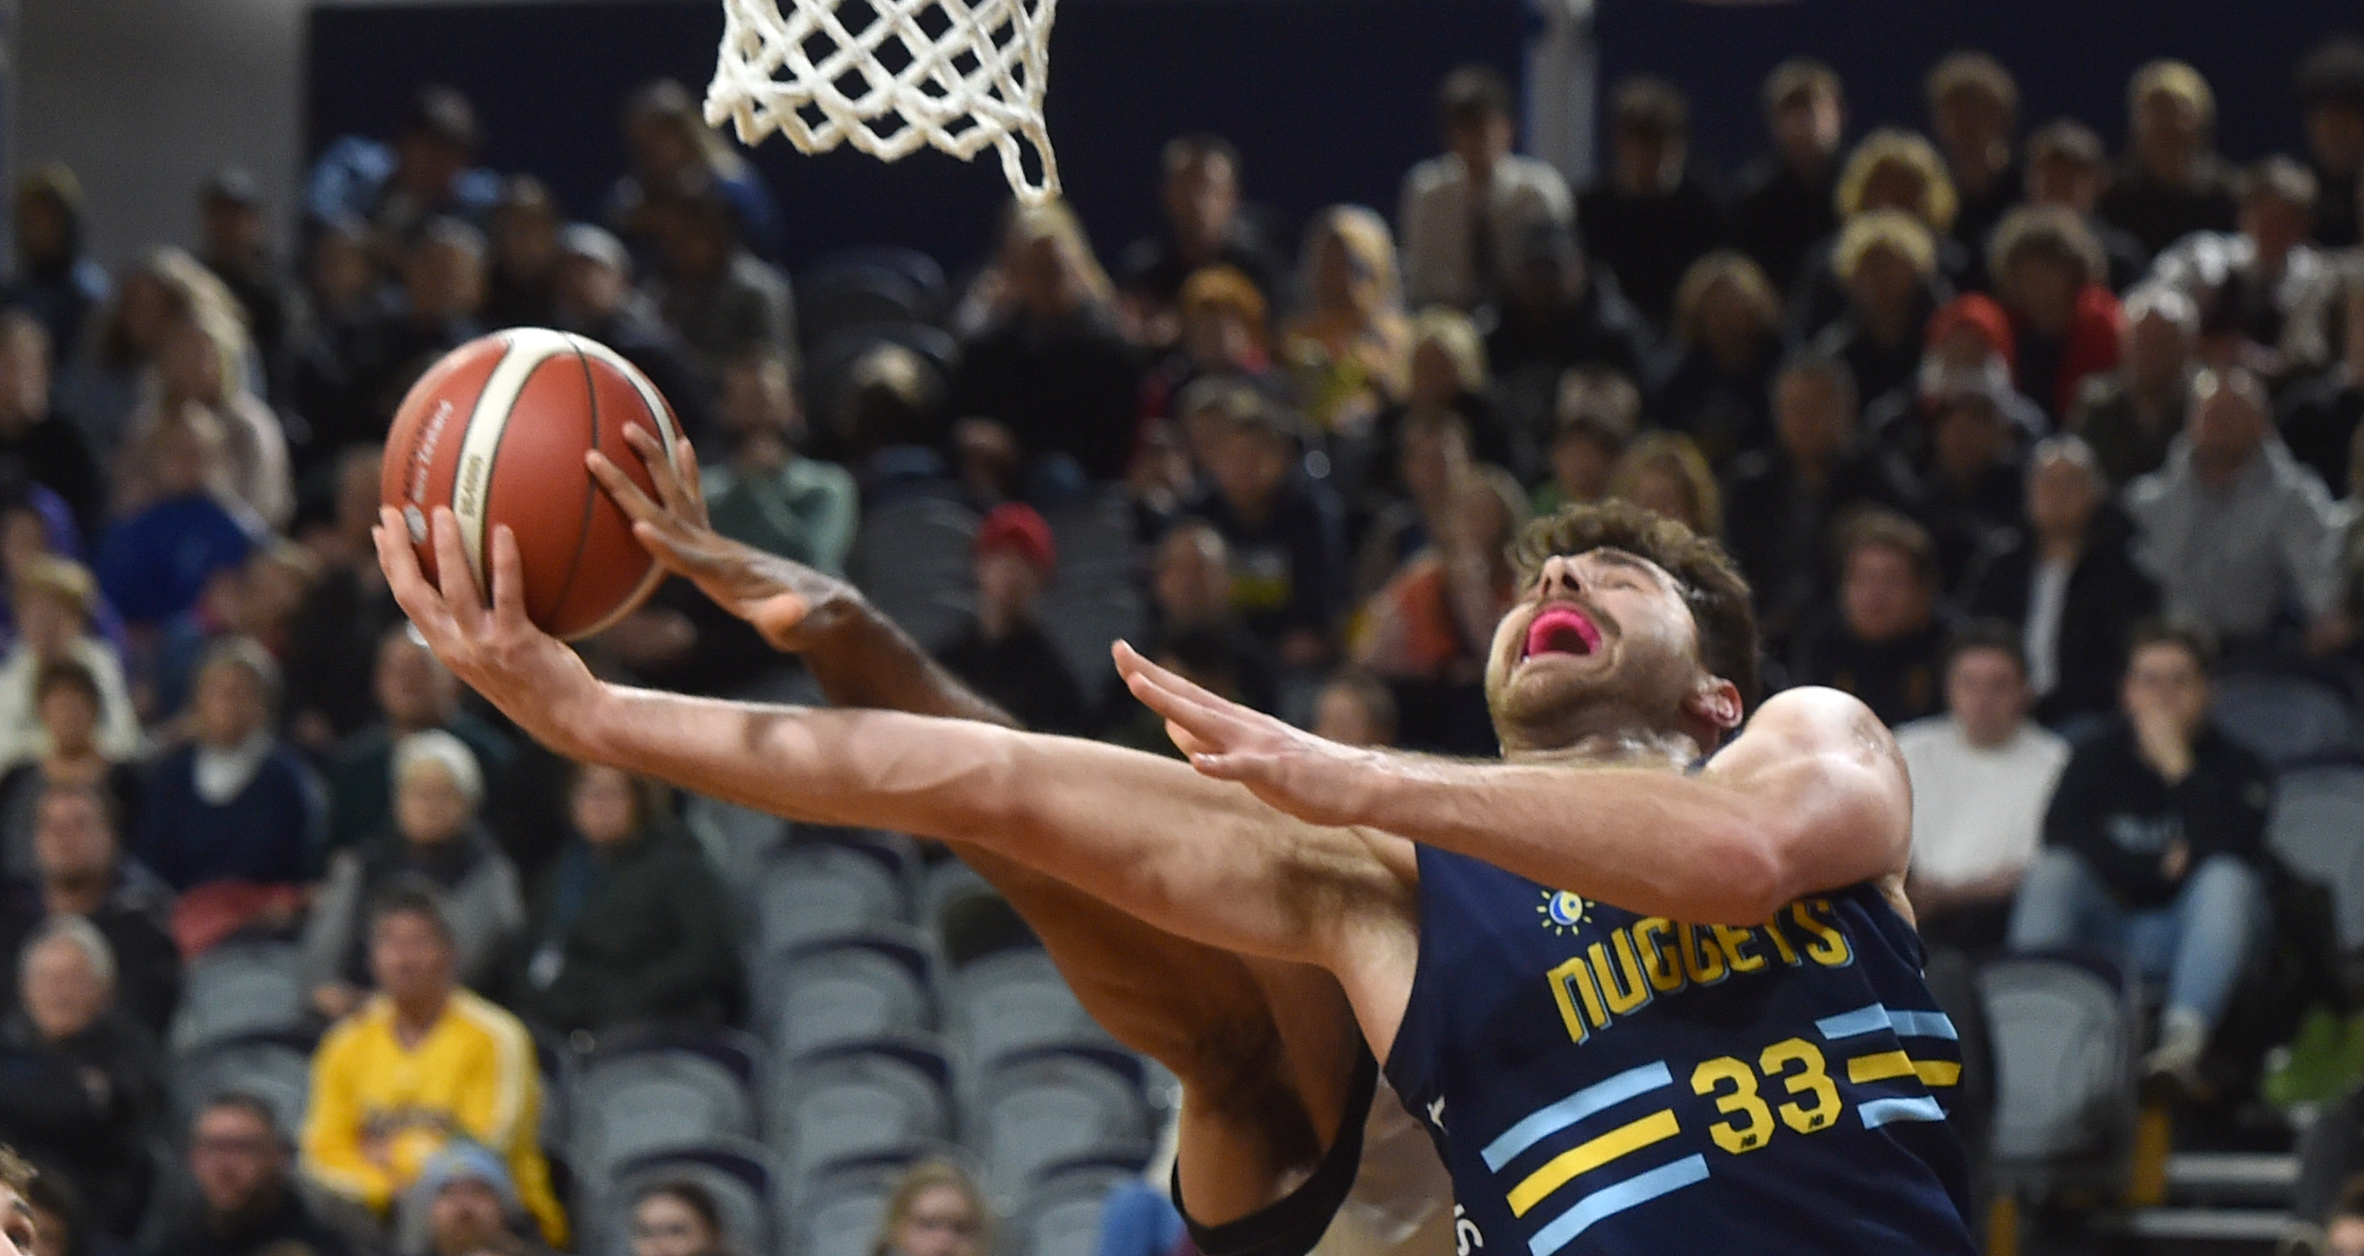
1313	778
786	601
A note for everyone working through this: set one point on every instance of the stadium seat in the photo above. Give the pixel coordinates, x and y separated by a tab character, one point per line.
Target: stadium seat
814	889
2064	1032
739	842
740	1174
850	294
912	559
860	1098
839	1210
655	1089
2318	828
272	1065
2285	720
239	987
923	272
831	991
1049	1104
1095	596
1061	1215
1011	1001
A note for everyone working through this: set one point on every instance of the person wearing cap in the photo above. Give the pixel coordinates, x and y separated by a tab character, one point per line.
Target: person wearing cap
55	277
592	293
2172	183
1004	653
234	227
1288	557
463	1204
422	1067
51	600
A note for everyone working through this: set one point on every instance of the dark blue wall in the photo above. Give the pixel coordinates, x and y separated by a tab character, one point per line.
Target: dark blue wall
1328	99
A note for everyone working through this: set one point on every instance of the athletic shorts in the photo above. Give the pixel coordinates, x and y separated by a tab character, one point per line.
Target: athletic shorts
1292	1225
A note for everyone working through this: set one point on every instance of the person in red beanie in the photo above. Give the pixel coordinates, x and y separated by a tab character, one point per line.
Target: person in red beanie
2048	269
1005	654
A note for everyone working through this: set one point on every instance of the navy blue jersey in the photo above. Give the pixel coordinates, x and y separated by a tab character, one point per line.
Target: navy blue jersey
1607	1084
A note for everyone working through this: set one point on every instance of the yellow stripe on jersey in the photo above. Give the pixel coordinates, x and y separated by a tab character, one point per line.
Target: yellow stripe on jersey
1585	1157
1937	1072
1879	1068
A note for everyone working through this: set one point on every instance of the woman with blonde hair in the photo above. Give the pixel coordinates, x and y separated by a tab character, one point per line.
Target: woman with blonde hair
2172	183
1350	346
199	365
110	383
1891	169
1665	472
936	1210
1887	261
1727	329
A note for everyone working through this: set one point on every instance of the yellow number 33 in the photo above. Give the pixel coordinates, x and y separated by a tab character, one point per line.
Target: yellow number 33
1799	1065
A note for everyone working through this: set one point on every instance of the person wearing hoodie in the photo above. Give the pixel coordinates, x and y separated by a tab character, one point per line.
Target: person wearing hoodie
55	277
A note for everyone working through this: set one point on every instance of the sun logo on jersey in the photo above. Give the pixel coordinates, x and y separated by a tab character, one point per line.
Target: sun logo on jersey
1563	913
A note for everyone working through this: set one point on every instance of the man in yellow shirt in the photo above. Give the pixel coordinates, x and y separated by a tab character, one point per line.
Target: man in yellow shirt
421	1063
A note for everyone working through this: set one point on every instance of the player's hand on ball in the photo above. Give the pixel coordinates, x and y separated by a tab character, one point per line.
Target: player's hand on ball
786	601
527	673
1313	778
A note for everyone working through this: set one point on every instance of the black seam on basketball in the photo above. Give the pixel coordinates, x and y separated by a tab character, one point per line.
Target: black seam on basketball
574	562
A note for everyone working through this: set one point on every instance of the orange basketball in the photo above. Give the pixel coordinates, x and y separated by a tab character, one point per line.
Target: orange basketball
497	431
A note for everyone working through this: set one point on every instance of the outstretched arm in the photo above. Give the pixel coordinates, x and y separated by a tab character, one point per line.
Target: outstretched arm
1811	797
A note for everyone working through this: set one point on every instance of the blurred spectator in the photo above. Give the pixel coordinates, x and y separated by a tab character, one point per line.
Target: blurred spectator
343	617
200	368
767	493
1005	653
716	295
1594	417
416	693
115	378
1885	642
629	923
236	247
2153	846
2068	168
1052	368
437	837
2329	85
49	444
1786	499
935	1210
234	804
1461	212
1785	200
421	1067
1349	345
2320	415
2067	578
79	1081
1968	486
2259	288
1974	115
677	1218
248	1203
257	599
1888	263
66	695
54	276
1224	328
442	291
1190	592
2172	183
423	174
887	424
1891	168
1198	191
2131	416
61	1223
1554	316
79	871
1434	619
1287	555
1981	777
592	293
2047	272
1432	454
472	1208
1355	709
50	600
670	148
1654	214
1448	375
1727	331
521	283
1665	472
331	374
2235	531
1969	348
35	522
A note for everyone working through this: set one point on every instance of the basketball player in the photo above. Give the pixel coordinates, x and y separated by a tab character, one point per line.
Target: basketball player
1716	1041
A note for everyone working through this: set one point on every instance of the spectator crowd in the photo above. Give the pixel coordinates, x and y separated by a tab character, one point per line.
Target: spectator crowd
2017	439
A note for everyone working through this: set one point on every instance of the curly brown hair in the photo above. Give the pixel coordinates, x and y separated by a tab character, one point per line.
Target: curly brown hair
1712	587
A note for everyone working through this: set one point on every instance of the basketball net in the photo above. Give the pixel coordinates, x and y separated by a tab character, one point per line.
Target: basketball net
956	75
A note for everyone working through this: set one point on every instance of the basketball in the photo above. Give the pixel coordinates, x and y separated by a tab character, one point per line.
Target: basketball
497	430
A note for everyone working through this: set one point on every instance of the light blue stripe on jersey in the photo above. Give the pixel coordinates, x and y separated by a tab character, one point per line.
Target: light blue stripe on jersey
1862	1020
1574	1108
1923	1025
1879	1112
1609	1201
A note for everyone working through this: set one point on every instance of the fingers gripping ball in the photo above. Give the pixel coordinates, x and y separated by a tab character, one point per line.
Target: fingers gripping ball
497	430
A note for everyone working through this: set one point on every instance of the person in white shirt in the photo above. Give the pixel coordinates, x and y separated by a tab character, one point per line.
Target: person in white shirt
1982	775
1467	212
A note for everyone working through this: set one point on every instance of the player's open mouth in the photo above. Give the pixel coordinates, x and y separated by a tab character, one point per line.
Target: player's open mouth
1561	629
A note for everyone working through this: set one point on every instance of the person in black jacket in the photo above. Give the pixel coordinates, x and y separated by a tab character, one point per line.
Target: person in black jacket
2153	844
82	872
1887	640
247	1200
2068	580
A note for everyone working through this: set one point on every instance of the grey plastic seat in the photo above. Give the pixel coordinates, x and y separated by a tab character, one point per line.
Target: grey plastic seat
1061	1215
2285	720
657	1092
808	890
859	1099
832	991
239	987
1051	1104
738	841
2064	1038
911	557
1095	595
1011	1001
740	1174
840	1209
2318	827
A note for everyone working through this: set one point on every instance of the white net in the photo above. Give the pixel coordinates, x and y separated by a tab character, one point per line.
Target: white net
889	76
